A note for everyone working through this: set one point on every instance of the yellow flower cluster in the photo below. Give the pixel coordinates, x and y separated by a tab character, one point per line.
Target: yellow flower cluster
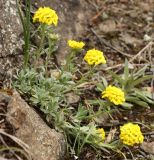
76	45
101	133
130	134
94	57
114	94
46	15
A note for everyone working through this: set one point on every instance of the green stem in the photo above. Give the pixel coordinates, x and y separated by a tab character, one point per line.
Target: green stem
85	140
69	61
48	53
87	75
26	29
84	77
77	138
43	27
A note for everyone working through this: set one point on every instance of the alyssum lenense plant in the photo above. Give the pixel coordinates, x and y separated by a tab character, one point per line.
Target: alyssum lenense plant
48	94
128	82
47	18
48	91
75	48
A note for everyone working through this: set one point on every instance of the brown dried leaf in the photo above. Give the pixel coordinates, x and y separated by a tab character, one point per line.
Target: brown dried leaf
148	147
128	39
102	119
110	136
108	26
145	6
150	89
7	91
72	98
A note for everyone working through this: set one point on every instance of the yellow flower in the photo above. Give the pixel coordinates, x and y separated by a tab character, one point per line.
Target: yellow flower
94	57
46	15
114	94
101	133
130	134
76	45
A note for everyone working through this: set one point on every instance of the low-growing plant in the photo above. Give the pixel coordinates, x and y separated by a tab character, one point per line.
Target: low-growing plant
130	82
46	87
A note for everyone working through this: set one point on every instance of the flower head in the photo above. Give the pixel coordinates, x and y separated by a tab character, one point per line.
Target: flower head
101	133
76	45
114	94
130	134
94	57
46	15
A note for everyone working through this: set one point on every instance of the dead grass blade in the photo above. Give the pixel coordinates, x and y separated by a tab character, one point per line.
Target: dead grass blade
24	146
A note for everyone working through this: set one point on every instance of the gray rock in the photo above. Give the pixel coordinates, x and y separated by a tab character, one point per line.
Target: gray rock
11	40
10	28
45	143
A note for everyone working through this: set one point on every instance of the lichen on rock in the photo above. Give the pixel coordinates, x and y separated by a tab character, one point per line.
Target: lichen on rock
11	39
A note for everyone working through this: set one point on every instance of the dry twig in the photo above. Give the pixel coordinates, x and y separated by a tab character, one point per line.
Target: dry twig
24	146
107	44
142	51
